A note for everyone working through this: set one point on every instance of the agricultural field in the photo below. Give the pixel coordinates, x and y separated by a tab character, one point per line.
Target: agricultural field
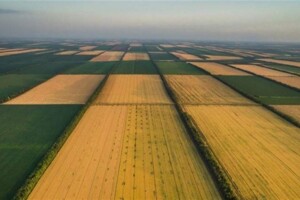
108	56
283	62
259	151
135	67
135	56
144	152
91	68
161	56
21	51
284	68
128	119
263	90
61	89
133	89
185	56
27	133
219	69
204	90
171	67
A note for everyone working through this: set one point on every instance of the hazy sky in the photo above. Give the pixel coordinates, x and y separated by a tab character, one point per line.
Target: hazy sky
173	19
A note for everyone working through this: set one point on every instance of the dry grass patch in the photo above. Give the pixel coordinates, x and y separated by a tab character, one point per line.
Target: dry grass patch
185	56
15	52
129	89
64	53
87	48
261	70
90	53
284	62
136	56
202	89
167	45
259	151
61	89
108	56
219	69
216	58
291	110
127	152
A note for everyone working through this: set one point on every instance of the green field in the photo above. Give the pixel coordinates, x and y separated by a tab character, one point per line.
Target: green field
137	49
91	68
265	91
171	67
14	84
27	132
152	48
135	67
162	56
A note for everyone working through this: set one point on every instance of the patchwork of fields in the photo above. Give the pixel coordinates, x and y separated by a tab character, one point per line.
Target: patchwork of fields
133	120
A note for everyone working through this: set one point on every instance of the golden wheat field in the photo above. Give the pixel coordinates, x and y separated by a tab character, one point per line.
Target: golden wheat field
15	52
185	56
284	62
108	56
293	81
136	56
291	110
61	89
261	70
217	58
90	53
129	89
219	69
259	151
134	152
87	48
64	53
203	89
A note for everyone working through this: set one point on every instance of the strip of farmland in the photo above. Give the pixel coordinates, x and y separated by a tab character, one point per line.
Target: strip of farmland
292	111
90	53
135	67
284	62
27	133
136	56
64	53
219	69
61	89
10	53
263	90
182	68
205	90
108	56
134	152
185	56
133	89
282	77
219	57
259	151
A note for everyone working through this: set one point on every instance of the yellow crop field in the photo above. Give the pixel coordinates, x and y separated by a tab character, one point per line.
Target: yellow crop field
185	56
259	151
203	89
216	58
263	71
90	53
167	45
290	110
15	52
293	81
64	53
134	152
219	69
61	89
87	48
136	56
108	56
284	62
129	89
